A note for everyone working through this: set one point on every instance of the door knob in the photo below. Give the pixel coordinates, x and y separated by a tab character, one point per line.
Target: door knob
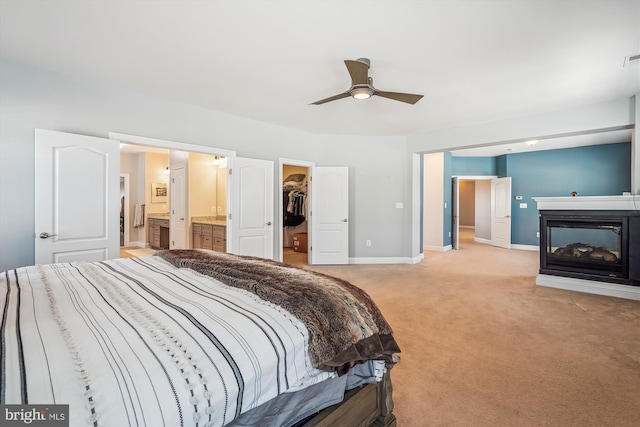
344	220
269	223
45	235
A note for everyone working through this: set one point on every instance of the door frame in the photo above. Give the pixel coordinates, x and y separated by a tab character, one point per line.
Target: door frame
279	212
456	196
455	212
172	145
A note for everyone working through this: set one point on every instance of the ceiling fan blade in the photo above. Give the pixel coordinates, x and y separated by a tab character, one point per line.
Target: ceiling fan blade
397	96
331	98
358	70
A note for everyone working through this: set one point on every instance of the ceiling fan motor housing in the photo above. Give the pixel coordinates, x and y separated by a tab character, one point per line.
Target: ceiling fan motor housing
362	85
365	61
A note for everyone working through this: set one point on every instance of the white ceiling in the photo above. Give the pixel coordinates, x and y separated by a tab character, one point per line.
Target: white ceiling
474	61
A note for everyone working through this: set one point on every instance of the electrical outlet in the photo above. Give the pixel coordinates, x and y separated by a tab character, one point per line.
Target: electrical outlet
368	242
538	234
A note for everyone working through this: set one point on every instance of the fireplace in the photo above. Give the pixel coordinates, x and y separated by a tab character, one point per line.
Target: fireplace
596	245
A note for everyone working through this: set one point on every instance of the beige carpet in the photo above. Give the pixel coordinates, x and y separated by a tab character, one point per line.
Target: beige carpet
484	346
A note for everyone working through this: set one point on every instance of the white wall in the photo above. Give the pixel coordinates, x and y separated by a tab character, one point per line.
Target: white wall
433	220
33	98
467	205
483	209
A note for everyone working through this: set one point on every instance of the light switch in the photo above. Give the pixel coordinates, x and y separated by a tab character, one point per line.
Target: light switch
399	205
523	206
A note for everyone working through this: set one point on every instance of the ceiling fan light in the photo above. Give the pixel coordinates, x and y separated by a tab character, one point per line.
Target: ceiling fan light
361	93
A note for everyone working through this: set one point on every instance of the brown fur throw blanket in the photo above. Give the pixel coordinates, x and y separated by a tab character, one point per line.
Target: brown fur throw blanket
345	326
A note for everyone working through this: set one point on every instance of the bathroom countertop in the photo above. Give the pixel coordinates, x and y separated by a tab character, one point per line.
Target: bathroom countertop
159	215
208	220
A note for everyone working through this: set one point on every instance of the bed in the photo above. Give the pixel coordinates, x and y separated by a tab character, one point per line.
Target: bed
194	338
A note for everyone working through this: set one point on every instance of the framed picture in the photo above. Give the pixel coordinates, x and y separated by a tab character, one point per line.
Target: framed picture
158	192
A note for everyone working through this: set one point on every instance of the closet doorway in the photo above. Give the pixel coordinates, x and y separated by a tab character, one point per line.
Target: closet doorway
293	211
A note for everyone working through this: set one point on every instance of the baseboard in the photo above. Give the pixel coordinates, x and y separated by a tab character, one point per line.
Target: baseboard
386	260
589	286
437	248
137	245
481	240
526	247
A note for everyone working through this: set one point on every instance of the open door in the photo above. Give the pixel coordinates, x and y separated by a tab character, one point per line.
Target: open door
501	212
77	197
455	212
250	217
329	194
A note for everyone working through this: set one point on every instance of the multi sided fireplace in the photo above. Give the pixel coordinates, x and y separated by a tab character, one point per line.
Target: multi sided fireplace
591	245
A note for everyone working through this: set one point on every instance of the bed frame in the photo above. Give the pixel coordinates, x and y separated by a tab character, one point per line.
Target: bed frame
371	405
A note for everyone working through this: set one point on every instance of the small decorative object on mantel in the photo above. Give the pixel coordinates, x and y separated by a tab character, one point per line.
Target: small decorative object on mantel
574	193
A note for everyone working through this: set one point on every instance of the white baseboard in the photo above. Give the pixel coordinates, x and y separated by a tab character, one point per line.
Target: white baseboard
534	248
589	286
386	260
481	240
436	248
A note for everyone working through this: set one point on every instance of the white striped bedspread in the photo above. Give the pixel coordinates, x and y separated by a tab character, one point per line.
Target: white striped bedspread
139	342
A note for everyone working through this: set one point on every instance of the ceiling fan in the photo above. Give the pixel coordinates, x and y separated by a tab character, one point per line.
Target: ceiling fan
362	85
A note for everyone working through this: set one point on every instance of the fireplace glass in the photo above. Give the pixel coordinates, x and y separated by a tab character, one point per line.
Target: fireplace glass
594	246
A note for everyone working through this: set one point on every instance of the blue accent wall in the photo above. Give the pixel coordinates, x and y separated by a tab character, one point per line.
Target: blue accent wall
598	170
474	166
501	166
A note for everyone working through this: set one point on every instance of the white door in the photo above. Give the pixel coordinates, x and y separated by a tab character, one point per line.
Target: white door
455	212
250	217
178	195
77	197
501	212
329	195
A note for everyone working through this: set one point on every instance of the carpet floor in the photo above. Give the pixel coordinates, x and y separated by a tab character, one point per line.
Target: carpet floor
482	345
